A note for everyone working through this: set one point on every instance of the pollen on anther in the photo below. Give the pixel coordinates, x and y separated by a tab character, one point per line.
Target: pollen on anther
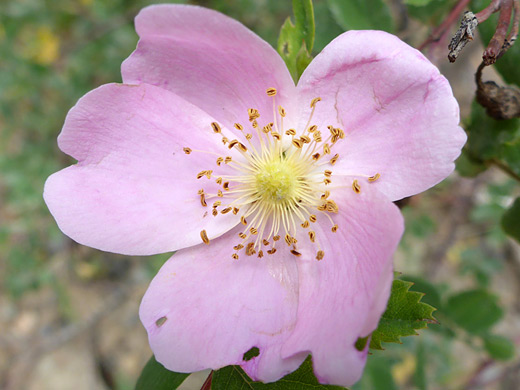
260	254
220	194
305	224
325	195
225	185
226	210
228	159
271	251
265	242
297	143
253	231
271	91
216	127
374	178
238	247
186	150
313	218
234	256
243	220
217	203
326	149
203	200
238	126
334	159
334	228
313	128
316	156
327	173
253	114
242	236
291	132
218	180
320	255
204	237
235	210
276	238
312	235
281	111
356	187
219	161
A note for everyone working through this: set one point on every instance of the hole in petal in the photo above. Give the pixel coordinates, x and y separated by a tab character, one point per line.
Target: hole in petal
160	322
253	352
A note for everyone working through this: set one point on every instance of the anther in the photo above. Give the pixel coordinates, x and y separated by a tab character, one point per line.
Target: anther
295	252
214	212
254	123
265	242
253	231
250	249
271	251
305	139
334	159
326	149
320	255
225	140
242	147
249	136
305	224
226	210
334	228
271	91
228	159
186	150
297	143
238	247
312	235
276	135
219	180
204	237
356	187
220	194
332	207
291	132
327	173
219	161
238	126
235	210
313	128
225	185
217	203
327	181
325	195
314	101
281	111
232	143
288	239
203	200
253	114
276	238
316	156
234	256
312	218
242	236
260	254
216	127
243	220
374	178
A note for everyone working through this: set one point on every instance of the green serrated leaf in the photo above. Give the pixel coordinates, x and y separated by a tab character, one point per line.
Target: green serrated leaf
362	14
511	220
404	315
155	377
507	65
499	347
234	378
296	39
474	310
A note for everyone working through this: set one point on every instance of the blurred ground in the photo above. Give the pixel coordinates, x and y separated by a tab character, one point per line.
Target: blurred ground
68	314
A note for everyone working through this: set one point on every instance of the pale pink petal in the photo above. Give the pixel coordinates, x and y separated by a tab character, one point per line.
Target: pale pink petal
343	295
134	190
398	112
210	60
205	310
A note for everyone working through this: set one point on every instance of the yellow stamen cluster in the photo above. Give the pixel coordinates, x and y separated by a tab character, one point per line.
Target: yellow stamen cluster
279	187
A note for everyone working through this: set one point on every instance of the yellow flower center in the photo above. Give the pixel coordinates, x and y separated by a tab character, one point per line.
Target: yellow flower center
277	181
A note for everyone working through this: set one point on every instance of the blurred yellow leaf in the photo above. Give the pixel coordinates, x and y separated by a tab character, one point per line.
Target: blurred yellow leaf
402	371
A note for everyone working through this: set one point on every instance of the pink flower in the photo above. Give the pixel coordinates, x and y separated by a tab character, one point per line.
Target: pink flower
282	218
